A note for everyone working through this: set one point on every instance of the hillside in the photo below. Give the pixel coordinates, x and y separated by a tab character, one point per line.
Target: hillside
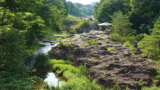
78	9
93	3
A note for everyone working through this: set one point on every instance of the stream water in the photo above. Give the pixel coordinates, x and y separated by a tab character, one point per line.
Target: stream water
46	75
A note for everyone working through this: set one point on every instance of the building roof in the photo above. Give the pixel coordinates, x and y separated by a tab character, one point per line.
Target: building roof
105	24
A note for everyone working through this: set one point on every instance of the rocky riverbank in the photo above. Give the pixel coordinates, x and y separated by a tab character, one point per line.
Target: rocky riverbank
109	62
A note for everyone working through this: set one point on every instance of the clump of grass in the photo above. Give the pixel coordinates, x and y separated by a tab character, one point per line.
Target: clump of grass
92	59
154	87
93	42
51	38
115	37
82	45
127	44
41	58
137	82
103	44
133	54
132	47
113	59
147	64
107	65
62	43
70	57
75	76
110	48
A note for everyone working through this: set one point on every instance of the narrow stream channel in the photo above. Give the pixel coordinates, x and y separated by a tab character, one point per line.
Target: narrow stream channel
46	75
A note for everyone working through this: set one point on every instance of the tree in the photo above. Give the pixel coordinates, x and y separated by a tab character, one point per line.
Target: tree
121	24
150	44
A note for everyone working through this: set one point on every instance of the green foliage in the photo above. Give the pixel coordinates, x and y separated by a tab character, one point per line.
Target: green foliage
121	24
153	87
110	48
115	37
13	52
127	44
62	43
78	9
150	44
137	82
92	59
41	58
21	24
93	42
142	13
107	65
81	24
51	38
132	38
104	9
35	46
75	76
71	16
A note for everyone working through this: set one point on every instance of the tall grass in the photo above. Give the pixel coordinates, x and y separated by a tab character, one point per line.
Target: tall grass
76	79
41	59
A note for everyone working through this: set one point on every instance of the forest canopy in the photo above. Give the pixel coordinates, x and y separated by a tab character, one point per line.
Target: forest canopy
78	9
22	23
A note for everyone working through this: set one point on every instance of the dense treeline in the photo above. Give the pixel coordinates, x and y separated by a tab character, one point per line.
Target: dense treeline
78	9
142	13
21	24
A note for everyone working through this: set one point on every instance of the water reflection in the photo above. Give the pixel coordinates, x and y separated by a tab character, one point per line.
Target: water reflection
48	76
52	79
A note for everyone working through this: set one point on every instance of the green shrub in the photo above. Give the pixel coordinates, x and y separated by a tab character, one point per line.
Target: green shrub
41	58
130	38
153	87
93	42
62	43
139	37
115	37
127	44
81	24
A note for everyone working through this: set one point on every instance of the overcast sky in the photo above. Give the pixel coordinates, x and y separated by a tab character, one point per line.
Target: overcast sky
83	1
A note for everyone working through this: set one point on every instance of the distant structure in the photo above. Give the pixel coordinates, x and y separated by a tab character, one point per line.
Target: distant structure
104	25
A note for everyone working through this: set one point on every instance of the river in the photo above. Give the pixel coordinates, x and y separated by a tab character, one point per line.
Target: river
45	74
